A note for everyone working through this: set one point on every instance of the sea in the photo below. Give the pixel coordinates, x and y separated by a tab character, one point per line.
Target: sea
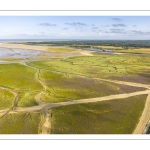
35	40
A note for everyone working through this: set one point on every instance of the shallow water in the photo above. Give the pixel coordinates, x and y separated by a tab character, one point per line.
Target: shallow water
107	50
94	49
20	53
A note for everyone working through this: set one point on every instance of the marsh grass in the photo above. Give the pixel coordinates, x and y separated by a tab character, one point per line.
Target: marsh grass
107	117
18	77
62	87
100	66
6	99
27	98
134	50
22	123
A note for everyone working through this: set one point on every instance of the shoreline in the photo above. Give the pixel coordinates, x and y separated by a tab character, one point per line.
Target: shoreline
23	46
42	48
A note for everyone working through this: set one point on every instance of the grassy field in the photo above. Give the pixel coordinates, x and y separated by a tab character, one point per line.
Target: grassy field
22	123
107	117
62	87
6	99
57	65
109	65
18	77
135	50
27	98
100	66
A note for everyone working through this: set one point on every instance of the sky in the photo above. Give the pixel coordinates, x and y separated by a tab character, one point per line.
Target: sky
75	27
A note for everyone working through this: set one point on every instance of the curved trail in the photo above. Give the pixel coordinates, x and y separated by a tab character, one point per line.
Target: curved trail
47	106
46	125
126	83
140	128
46	115
44	107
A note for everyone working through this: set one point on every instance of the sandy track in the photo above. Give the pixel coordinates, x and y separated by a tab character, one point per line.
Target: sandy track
144	119
46	124
125	83
46	127
44	108
82	101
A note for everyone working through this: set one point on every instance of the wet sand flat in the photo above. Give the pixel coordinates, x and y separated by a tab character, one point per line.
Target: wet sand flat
10	50
23	46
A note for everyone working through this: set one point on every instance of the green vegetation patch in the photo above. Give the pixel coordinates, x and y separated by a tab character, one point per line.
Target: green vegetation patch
18	77
23	123
107	117
27	98
100	66
6	99
62	87
59	65
109	65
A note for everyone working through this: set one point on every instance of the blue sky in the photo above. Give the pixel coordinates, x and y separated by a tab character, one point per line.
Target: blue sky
75	27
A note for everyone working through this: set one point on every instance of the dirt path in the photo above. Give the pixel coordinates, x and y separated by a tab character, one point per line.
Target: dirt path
144	119
46	127
126	83
46	124
82	101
